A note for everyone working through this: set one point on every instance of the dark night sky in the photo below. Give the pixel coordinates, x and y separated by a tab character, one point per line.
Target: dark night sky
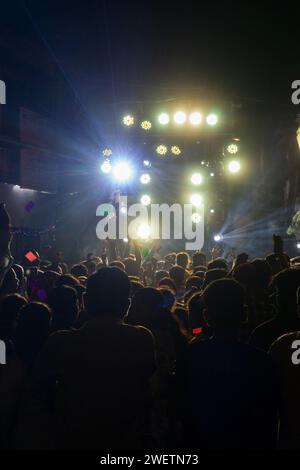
166	49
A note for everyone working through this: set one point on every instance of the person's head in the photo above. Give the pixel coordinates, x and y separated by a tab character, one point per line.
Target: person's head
224	301
117	264
91	267
32	330
160	275
67	280
147	309
286	284
177	274
263	273
182	259
194	282
218	263
63	302
169	297
131	266
10	283
9	307
198	259
246	276
79	270
134	287
213	274
107	293
169	283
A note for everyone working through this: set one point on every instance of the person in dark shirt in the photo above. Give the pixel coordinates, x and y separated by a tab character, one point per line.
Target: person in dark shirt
90	386
229	388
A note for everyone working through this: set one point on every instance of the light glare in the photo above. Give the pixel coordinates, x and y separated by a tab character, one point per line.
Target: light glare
196	179
122	171
234	166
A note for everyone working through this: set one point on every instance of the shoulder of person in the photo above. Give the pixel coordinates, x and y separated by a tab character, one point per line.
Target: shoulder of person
284	343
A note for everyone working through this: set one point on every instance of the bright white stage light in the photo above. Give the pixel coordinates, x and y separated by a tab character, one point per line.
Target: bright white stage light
195	118
196	179
212	174
298	245
147	163
164	119
212	119
145	200
143	231
145	178
196	218
196	200
122	171
212	211
218	238
106	167
180	117
234	166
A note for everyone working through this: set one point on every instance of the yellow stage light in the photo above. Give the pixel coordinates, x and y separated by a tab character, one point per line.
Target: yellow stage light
146	125
161	149
128	120
176	150
106	152
232	148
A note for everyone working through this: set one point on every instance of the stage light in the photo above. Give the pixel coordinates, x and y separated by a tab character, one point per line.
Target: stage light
122	171
106	167
180	117
128	120
218	238
145	178
175	150
106	152
298	246
16	187
212	119
125	240
164	119
147	163
232	149
146	125
161	149
212	211
143	231
196	179
196	218
202	163
212	174
195	118
145	200
196	200
234	166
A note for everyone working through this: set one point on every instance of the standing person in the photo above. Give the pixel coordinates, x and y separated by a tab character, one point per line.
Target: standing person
90	386
230	391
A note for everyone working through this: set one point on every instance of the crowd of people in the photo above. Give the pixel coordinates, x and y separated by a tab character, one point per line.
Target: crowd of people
135	353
